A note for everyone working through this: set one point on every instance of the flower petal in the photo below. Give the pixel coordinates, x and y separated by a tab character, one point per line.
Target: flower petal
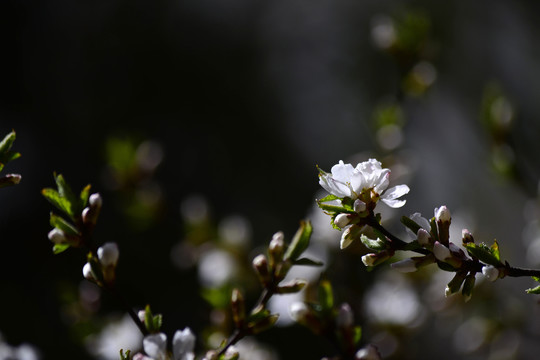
394	203
395	192
155	345
183	344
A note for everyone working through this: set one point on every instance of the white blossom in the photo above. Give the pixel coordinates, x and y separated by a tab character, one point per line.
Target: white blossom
183	344
348	181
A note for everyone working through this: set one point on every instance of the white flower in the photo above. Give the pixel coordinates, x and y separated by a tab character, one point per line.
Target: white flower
490	272
347	181
155	345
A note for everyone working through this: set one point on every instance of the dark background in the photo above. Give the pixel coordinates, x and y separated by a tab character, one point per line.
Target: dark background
245	99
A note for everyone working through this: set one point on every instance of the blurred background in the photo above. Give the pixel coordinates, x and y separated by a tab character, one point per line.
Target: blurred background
201	124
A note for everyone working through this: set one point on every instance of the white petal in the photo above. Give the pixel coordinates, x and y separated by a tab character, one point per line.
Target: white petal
395	192
345	241
342	172
183	344
394	203
155	345
334	186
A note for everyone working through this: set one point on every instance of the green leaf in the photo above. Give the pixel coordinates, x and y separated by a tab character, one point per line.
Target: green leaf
411	224
58	248
329	198
536	278
357	335
483	253
258	314
307	262
59	222
7	142
495	250
65	191
299	242
58	201
85	193
535	290
334	208
377	245
326	296
434	231
125	356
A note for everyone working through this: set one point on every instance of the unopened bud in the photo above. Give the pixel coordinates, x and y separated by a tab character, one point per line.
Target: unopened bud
298	311
490	272
211	355
349	235
10	179
441	252
88	273
263	324
423	236
57	236
468	287
376	259
231	353
359	205
141	315
455	284
368	352
260	264
108	254
345	316
466	236
342	220
276	248
95	201
442	214
238	308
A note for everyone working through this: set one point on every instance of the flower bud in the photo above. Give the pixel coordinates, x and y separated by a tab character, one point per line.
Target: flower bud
260	264
211	355
442	214
349	235
95	201
404	266
342	220
276	248
141	315
466	236
359	206
238	308
468	287
345	316
424	238
108	254
441	252
368	352
10	179
376	259
88	273
57	236
231	353
455	284
298	311
490	272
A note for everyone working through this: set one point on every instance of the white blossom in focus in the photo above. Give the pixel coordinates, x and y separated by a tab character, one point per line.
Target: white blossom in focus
344	180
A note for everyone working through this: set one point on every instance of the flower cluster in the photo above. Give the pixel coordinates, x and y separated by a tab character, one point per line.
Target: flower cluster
357	190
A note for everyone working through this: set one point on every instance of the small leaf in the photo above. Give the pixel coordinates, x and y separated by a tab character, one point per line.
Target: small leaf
377	245
59	222
58	248
483	253
307	262
125	356
329	198
299	242
58	201
434	231
357	335
535	290
335	208
85	193
536	278
7	142
65	191
326	296
495	250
